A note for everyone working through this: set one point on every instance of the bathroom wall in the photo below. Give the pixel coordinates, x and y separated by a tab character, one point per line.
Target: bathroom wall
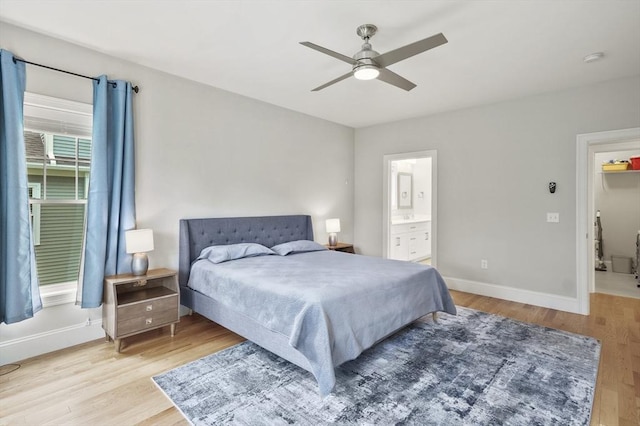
420	169
422	187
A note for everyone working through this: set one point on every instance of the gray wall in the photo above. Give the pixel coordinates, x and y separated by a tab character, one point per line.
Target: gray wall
617	196
200	152
494	166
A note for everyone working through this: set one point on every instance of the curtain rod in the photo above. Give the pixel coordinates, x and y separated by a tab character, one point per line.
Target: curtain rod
135	88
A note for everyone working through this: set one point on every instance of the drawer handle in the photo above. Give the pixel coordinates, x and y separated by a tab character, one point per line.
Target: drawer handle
149	308
148	321
426	235
397	241
413	227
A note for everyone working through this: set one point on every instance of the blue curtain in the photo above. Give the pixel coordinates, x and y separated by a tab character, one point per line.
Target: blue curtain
19	292
111	201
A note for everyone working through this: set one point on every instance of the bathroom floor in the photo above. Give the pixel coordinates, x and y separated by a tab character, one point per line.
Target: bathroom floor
617	284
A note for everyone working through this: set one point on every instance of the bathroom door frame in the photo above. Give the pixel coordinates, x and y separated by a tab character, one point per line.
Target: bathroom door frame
386	204
588	145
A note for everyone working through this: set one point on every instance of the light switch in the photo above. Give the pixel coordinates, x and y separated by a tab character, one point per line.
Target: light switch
553	217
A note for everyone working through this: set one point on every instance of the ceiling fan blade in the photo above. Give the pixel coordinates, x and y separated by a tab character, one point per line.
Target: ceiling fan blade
410	50
326	51
395	80
334	81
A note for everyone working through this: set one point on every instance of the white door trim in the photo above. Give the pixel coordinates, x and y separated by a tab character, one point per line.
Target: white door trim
386	205
587	145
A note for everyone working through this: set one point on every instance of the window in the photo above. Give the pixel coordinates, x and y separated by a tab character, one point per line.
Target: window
58	151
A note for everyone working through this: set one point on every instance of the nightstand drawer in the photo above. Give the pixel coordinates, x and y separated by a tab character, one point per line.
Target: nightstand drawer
137	324
147	307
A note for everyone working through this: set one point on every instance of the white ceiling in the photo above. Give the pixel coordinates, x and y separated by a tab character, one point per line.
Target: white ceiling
497	50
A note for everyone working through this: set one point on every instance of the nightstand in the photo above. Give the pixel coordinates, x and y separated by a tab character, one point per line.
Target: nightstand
347	248
135	304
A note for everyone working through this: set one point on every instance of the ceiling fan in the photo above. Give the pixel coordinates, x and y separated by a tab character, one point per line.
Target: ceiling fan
368	64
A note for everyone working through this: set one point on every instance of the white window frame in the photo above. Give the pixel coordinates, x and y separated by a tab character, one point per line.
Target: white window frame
51	115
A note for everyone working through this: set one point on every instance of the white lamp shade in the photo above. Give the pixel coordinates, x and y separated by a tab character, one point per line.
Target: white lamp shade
139	240
333	225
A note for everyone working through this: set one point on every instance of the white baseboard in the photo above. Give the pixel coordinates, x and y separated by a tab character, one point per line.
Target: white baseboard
15	350
546	300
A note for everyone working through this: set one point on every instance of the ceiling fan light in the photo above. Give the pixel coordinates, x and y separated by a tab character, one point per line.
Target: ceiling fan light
366	72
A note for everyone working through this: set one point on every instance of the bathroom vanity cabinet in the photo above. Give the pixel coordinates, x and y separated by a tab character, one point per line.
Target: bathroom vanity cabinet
411	241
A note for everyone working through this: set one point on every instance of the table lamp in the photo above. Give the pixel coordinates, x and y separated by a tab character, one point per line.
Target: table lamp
138	243
333	227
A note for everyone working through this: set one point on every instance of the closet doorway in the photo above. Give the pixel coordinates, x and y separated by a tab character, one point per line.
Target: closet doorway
589	148
616	196
410	207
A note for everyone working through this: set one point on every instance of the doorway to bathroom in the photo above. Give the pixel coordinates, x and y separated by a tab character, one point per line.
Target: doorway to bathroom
409	207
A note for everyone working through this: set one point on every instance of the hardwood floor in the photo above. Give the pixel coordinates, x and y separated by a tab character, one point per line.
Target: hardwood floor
92	384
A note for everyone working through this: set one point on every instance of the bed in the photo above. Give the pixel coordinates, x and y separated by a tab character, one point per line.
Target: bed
313	307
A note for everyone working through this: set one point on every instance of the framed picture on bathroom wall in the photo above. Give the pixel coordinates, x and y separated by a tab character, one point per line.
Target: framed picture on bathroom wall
405	191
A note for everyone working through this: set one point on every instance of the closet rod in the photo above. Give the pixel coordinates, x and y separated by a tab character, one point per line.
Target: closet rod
135	88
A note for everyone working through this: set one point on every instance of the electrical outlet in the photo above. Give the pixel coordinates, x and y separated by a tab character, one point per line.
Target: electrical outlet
484	264
553	217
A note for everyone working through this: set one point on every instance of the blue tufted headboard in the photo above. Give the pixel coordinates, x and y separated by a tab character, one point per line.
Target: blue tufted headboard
196	234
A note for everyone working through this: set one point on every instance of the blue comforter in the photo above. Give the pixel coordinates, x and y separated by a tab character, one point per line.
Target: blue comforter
331	305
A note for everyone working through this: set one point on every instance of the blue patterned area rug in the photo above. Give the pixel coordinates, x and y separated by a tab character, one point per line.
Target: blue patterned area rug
470	369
